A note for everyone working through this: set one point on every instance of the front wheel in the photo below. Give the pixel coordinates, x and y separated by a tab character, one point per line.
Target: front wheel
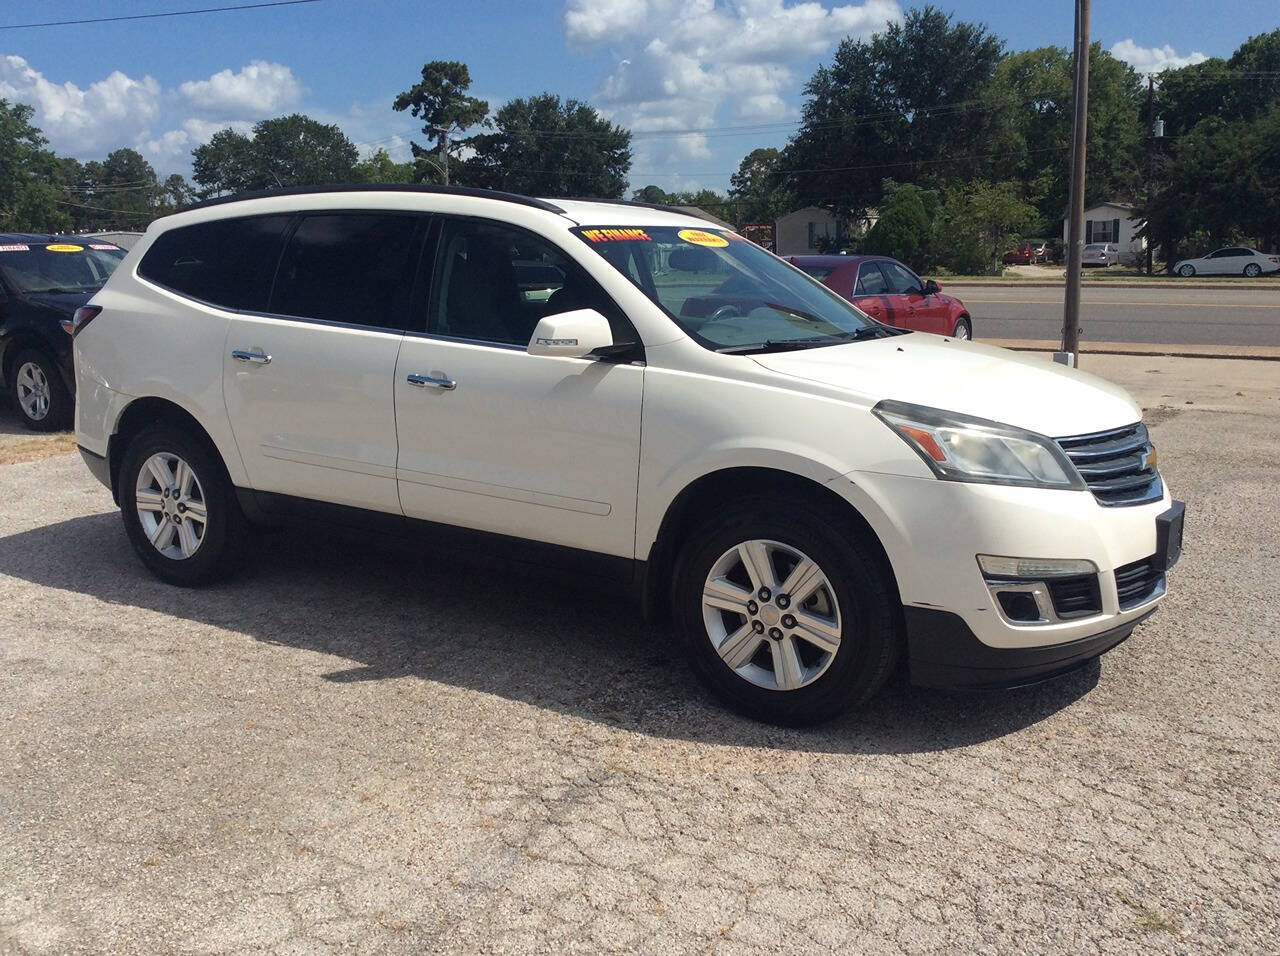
963	330
179	508
785	615
1253	270
1187	271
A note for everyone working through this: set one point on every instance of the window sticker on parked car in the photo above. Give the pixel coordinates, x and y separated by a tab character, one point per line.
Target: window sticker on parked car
700	238
615	235
103	246
15	247
64	247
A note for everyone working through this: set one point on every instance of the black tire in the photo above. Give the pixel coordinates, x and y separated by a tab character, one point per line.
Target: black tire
1252	270
1187	271
229	539
871	638
963	329
61	407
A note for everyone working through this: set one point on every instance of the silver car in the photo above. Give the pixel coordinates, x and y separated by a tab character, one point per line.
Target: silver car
1101	254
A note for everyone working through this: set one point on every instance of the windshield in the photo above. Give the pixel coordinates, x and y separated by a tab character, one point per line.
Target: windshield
67	267
1093	247
727	292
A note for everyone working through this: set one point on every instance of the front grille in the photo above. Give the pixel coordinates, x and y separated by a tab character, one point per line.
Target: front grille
1075	597
1116	465
1137	582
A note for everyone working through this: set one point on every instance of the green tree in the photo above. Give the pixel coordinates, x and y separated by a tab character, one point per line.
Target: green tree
1222	185
906	99
292	150
1032	101
441	101
30	197
381	168
756	189
904	226
543	146
652	194
976	223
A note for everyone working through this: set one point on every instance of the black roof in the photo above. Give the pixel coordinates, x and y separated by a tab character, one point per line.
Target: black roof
36	237
381	188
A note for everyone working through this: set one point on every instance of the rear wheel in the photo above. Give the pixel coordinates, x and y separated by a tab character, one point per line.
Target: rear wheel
963	329
1187	271
179	508
784	614
1253	270
36	388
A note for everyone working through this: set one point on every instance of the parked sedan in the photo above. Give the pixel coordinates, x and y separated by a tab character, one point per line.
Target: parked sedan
891	293
1100	254
1231	261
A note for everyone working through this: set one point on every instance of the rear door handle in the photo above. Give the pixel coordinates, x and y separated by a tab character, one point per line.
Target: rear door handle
427	381
254	358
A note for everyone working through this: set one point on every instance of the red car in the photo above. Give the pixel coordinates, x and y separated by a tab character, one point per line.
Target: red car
891	293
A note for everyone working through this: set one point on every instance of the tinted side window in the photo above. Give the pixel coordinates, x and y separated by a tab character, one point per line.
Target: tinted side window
352	268
871	280
493	283
901	281
227	262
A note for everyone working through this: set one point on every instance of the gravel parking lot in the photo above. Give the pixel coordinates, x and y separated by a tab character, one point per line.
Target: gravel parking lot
361	747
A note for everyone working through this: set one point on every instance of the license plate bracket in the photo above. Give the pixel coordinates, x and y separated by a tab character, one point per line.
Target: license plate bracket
1169	527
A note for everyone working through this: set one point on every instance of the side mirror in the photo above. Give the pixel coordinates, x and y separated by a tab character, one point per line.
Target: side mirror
571	334
931	287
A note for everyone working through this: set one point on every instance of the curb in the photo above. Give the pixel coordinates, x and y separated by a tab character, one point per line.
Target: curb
1247	353
1225	283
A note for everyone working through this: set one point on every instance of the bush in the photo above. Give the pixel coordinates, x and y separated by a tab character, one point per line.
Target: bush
903	229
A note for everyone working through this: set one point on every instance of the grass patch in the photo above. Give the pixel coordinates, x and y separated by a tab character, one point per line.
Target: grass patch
33	449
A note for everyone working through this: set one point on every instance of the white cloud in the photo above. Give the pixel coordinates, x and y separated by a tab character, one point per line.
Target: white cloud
176	144
109	113
684	65
1153	59
258	90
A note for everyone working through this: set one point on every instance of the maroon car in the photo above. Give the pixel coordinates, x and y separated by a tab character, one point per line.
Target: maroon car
891	293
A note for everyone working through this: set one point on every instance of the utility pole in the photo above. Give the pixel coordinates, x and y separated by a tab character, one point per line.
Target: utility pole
444	150
1151	143
1075	218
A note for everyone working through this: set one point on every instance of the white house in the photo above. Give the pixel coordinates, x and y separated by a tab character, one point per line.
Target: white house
812	229
1115	223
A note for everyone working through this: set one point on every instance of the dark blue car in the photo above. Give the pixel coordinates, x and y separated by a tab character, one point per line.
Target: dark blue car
43	280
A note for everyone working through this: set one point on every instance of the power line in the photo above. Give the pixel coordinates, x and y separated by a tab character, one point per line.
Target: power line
154	16
116	212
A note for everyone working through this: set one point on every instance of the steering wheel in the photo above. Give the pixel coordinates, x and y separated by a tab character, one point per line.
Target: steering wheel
725	312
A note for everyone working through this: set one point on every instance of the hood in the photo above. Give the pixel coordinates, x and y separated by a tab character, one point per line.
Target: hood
1014	388
64	303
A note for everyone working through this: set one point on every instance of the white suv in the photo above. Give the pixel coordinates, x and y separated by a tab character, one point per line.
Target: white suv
642	398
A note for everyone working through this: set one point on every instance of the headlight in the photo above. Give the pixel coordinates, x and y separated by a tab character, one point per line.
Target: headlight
961	448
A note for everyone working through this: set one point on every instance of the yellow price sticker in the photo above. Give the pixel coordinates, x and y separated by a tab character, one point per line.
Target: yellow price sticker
700	237
64	247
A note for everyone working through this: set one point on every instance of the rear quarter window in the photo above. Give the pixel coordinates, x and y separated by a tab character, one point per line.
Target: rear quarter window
227	262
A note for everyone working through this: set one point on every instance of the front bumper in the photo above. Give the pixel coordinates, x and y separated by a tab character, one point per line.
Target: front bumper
943	652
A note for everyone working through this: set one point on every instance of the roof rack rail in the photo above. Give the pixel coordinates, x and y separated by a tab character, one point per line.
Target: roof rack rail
380	188
676	210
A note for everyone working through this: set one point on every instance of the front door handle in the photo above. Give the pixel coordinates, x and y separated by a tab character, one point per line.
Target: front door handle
254	358
427	381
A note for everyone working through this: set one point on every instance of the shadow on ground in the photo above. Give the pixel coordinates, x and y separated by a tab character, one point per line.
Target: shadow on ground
393	612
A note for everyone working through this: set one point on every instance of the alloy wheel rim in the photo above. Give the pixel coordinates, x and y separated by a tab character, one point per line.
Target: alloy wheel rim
171	506
962	331
33	391
771	614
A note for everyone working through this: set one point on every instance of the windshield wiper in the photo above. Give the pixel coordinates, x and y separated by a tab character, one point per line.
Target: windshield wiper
56	290
793	345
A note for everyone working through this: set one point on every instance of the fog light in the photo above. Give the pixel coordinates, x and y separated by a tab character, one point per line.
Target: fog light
1019	606
1034	569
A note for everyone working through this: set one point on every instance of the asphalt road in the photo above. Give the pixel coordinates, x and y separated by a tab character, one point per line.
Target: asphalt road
350	748
1163	316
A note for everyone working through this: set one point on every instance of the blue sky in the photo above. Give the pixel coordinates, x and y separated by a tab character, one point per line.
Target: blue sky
731	69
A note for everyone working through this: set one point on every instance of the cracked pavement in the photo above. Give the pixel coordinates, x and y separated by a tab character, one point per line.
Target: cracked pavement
357	747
